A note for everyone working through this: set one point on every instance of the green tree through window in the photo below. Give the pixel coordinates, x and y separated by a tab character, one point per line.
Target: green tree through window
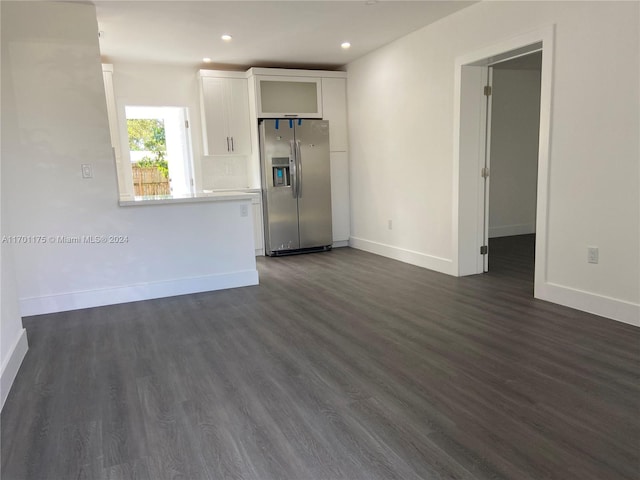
148	135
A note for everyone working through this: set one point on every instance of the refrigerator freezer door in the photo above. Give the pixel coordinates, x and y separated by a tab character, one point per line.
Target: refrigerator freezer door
281	206
314	189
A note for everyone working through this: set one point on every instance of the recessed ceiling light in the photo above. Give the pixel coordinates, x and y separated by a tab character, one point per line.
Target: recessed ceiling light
226	37
345	45
206	60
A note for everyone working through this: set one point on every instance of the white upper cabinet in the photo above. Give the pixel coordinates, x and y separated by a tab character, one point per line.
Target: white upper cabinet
225	115
334	109
288	97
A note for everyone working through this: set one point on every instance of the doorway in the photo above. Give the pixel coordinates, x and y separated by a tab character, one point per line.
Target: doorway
511	165
472	151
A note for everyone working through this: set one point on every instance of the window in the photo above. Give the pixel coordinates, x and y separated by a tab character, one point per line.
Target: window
159	150
176	173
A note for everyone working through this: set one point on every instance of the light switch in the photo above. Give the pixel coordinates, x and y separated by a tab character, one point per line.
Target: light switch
244	210
87	171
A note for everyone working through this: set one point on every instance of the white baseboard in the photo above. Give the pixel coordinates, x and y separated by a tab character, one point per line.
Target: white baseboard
340	243
11	365
510	230
133	293
608	307
419	259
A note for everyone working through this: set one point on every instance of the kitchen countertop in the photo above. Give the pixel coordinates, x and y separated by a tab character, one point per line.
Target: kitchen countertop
245	190
204	196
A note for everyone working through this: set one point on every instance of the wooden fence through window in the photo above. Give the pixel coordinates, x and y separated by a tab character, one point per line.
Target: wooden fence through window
149	181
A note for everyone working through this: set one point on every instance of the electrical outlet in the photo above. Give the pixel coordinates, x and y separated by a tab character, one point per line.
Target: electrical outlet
244	210
390	224
592	254
86	170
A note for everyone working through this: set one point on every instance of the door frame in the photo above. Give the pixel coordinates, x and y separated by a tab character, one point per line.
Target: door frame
470	126
486	181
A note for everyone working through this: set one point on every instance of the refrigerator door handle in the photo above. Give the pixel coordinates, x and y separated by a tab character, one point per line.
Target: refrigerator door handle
294	169
299	168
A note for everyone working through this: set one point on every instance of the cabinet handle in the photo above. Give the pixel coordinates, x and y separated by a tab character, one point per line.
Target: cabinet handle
232	147
228	149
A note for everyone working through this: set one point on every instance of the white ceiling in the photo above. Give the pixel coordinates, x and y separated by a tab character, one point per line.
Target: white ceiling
298	34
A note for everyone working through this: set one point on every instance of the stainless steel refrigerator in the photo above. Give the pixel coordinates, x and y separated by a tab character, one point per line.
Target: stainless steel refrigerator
296	185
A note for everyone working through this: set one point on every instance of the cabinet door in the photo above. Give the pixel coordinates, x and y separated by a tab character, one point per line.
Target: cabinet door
258	233
214	106
282	97
334	109
340	204
238	116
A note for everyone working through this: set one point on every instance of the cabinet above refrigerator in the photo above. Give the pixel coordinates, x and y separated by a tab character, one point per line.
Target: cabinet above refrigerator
288	97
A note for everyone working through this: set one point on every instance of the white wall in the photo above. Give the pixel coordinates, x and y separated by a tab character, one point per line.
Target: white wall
54	119
401	136
13	338
515	121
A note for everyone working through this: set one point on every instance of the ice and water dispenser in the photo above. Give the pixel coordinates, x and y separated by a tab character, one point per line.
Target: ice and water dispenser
281	174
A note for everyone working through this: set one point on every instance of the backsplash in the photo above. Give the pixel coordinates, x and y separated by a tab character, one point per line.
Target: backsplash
224	172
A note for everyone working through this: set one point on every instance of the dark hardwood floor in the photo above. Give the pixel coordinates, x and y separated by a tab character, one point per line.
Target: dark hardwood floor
340	365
